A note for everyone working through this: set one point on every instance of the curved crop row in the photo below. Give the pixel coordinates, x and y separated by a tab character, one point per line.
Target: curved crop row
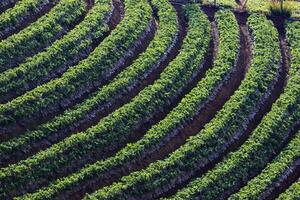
210	143
292	193
12	18
39	34
157	51
137	17
161	133
100	64
102	137
76	44
253	155
258	185
162	42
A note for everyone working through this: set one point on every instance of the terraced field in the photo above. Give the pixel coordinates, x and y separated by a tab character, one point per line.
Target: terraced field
148	99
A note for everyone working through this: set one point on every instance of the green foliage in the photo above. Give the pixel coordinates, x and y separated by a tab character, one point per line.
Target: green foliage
252	155
162	172
40	33
108	93
74	44
228	121
161	42
95	67
12	17
125	119
136	19
255	188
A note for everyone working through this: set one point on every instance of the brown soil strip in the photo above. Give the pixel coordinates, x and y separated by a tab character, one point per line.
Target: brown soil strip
222	94
293	173
9	132
274	92
83	54
89	4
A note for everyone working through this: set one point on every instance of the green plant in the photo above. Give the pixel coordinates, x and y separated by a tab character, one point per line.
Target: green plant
40	33
266	139
201	148
75	44
133	151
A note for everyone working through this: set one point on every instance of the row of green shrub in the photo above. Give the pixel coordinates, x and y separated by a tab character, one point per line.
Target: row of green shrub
157	51
75	44
96	68
136	20
212	141
263	184
15	16
40	33
252	156
122	122
158	48
256	187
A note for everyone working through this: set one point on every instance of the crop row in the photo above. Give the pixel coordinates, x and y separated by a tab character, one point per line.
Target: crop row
272	172
14	17
292	193
99	65
120	123
39	34
258	187
158	135
253	155
209	143
64	52
136	20
156	53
